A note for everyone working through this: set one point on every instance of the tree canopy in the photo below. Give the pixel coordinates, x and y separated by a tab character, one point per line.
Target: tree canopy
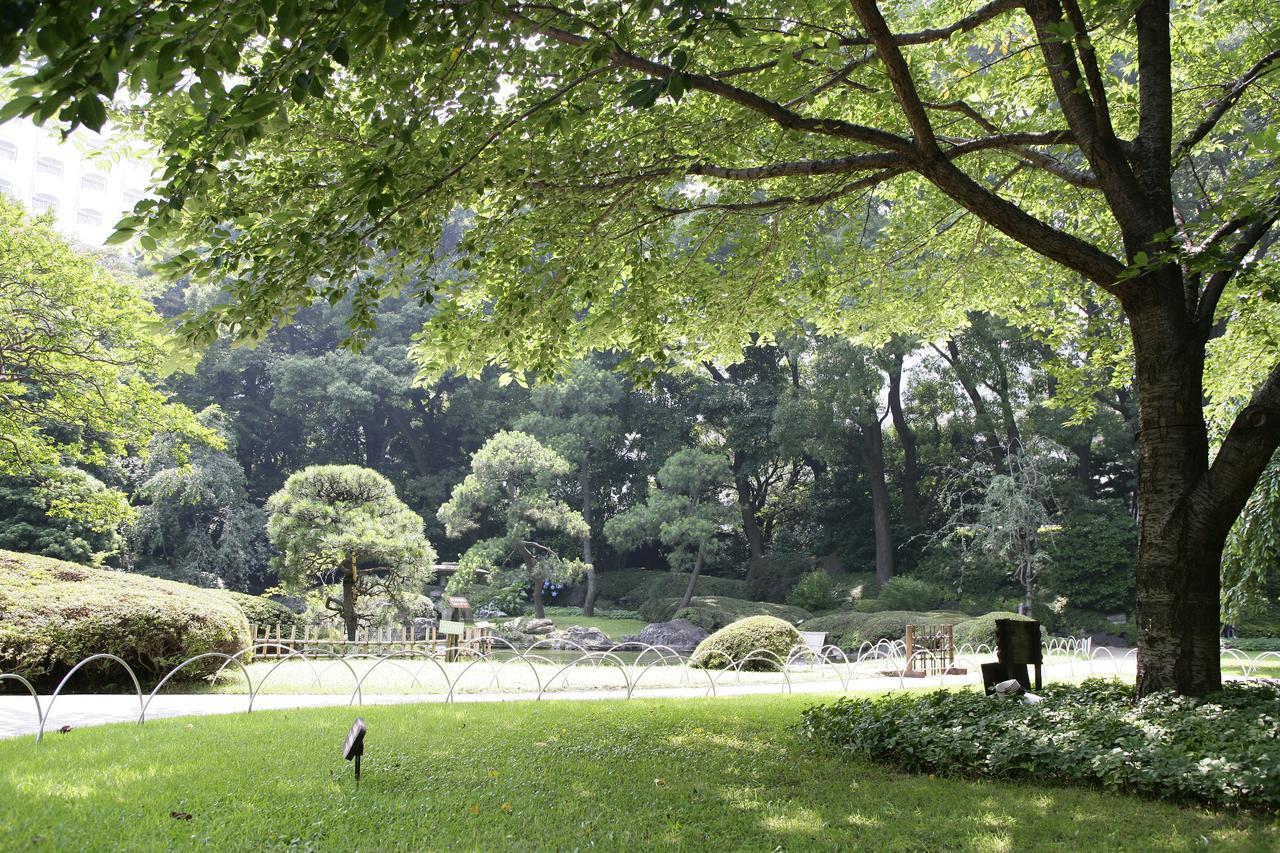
511	487
343	524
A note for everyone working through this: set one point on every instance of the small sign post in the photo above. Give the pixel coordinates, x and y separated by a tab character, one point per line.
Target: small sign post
454	624
353	749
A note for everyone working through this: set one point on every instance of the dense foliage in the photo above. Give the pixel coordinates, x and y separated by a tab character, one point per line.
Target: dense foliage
54	614
760	643
1218	750
344	525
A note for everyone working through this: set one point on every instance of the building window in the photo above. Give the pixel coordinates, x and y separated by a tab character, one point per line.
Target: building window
6	188
8	151
131	198
41	203
86	216
49	166
93	183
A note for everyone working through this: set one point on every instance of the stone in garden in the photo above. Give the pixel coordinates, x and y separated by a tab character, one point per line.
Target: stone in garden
678	634
591	639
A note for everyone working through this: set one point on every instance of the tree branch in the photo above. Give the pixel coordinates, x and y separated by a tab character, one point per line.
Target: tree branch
1248	447
1231	263
1264	66
963	25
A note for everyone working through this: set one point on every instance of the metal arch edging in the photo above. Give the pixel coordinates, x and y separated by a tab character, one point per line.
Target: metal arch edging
142	714
13	676
63	683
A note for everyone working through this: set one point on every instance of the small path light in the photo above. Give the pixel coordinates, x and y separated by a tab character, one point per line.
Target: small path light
353	749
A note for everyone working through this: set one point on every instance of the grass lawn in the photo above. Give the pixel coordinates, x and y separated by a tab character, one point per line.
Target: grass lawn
692	774
615	629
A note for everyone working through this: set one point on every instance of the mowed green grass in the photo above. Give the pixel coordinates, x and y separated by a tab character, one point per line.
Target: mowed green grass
614	629
657	774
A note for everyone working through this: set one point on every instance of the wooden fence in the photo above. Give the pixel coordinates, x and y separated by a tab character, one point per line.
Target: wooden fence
275	641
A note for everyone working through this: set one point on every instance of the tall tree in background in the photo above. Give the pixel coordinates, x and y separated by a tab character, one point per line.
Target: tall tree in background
578	418
1015	135
194	522
510	487
343	524
684	511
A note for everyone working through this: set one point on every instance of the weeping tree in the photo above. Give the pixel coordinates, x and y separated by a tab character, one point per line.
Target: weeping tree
510	490
1013	520
1045	154
578	418
343	524
685	512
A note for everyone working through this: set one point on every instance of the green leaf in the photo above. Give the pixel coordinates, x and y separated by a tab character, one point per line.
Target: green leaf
91	112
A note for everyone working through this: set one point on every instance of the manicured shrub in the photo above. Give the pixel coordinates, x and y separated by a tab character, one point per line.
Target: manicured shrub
615	585
906	593
982	629
1253	644
851	628
712	612
54	614
661	585
1219	750
774	637
260	610
815	591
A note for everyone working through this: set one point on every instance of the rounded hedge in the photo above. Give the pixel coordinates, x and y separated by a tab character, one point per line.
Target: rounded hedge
734	642
982	629
260	610
54	614
713	612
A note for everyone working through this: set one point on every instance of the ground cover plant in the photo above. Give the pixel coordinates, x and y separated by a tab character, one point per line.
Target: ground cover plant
1218	750
698	774
54	614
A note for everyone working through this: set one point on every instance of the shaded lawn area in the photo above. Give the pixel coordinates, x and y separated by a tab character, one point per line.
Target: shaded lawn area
694	774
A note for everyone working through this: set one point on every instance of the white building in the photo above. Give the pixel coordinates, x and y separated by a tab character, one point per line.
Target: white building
87	180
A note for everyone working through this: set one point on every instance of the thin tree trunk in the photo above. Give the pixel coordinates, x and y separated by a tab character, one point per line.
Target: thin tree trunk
981	416
871	446
588	606
693	580
349	600
539	611
750	526
907	438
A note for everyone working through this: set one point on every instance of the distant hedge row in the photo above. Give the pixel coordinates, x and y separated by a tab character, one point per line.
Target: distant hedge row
54	614
849	630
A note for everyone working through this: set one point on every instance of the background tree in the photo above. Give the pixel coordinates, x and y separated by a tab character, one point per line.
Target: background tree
342	524
1014	519
510	486
578	418
80	354
195	523
63	513
684	511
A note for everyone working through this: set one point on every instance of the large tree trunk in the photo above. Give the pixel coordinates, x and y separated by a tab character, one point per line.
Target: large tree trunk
1179	550
746	505
588	606
871	447
907	438
693	580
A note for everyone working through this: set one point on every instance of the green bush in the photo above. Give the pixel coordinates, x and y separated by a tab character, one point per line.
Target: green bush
771	577
673	584
744	636
842	629
1219	750
1094	555
906	593
714	612
615	585
260	610
851	629
982	629
54	614
1253	644
815	591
